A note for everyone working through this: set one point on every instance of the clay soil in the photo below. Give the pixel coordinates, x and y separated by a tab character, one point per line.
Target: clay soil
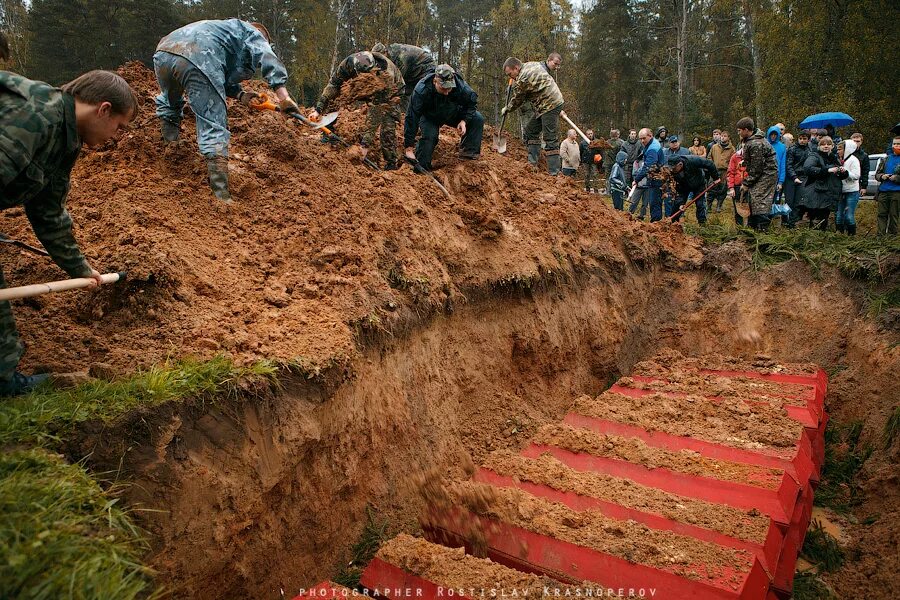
591	529
452	568
636	451
684	382
315	247
731	421
548	471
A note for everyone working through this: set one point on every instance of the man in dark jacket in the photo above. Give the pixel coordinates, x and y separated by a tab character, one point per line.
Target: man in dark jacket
762	173
822	190
43	130
609	155
795	177
864	166
632	149
442	98
691	175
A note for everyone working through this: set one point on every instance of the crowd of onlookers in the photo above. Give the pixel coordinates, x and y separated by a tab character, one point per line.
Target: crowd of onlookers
801	178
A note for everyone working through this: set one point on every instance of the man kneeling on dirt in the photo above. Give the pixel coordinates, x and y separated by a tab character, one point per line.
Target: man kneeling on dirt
42	129
384	107
532	82
442	98
208	60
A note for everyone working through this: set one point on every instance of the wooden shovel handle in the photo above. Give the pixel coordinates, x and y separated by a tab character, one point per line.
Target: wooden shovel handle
26	291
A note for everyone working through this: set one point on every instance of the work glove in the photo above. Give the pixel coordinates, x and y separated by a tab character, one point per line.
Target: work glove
731	192
288	106
247	98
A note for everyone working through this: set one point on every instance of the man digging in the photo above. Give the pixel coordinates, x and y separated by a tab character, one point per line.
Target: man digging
207	61
43	129
442	98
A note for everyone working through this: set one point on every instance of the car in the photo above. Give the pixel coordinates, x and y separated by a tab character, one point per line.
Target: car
871	186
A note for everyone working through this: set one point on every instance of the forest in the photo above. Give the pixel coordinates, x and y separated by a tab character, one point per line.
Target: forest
691	65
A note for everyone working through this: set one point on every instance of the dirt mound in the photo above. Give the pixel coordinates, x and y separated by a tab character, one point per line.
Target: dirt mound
315	249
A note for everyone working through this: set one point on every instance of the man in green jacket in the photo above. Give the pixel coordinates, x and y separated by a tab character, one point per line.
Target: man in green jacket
42	129
533	83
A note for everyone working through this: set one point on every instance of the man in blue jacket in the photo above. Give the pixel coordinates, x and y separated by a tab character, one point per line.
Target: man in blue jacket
888	176
774	137
442	98
208	60
653	161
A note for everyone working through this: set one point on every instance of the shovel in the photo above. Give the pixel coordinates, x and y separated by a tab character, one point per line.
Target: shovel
27	291
500	138
262	102
563	114
418	168
23	245
742	208
693	200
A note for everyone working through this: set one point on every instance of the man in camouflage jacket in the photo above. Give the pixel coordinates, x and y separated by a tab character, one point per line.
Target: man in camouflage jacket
414	64
384	106
762	173
532	82
207	61
42	129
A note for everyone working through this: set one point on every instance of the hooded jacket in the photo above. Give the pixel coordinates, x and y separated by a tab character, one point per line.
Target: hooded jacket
694	175
762	172
822	189
851	163
617	174
780	151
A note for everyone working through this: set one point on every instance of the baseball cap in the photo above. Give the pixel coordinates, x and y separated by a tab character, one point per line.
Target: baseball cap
673	138
445	75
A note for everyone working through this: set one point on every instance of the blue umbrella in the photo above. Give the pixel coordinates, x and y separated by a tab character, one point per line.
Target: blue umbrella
819	121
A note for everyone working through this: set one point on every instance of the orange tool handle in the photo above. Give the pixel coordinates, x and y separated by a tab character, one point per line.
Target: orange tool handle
262	102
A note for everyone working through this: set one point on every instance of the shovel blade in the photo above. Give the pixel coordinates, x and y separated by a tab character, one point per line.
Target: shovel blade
499	143
325	121
743	209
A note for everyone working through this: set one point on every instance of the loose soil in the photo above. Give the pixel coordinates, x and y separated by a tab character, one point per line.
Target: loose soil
707	384
636	451
730	421
674	362
591	529
420	330
548	471
452	568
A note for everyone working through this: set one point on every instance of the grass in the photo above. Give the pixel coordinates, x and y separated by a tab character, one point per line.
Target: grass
374	533
891	428
40	417
62	536
844	457
808	586
821	549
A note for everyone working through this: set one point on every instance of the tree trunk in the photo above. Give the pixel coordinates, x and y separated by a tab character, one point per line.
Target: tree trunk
681	29
757	61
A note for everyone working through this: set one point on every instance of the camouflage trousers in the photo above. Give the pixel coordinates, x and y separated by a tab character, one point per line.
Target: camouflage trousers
383	114
177	77
11	348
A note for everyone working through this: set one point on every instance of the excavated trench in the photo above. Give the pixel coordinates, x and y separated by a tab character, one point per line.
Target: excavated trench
251	495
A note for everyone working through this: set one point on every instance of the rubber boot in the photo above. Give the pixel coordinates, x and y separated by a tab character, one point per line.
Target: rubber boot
839	227
851	229
554	164
217	167
21	384
534	154
170	131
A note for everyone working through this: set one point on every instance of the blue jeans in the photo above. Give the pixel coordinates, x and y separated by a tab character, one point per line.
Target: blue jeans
178	76
846	209
656	204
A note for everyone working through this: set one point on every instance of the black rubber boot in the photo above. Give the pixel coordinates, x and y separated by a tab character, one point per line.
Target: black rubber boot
534	154
839	227
217	167
851	229
554	164
170	131
20	384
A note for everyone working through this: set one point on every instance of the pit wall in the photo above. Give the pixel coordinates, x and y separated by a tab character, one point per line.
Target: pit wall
250	495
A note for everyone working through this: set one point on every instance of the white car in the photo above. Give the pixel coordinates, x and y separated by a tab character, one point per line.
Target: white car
872	185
